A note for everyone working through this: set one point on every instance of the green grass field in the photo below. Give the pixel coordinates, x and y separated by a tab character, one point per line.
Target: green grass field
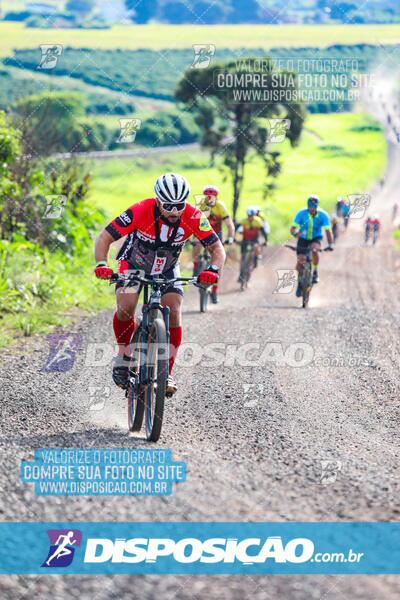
15	35
335	157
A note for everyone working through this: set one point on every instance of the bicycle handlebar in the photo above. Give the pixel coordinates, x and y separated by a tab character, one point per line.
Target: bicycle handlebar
312	250
121	277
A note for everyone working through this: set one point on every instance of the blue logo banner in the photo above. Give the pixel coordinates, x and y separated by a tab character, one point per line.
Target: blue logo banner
209	548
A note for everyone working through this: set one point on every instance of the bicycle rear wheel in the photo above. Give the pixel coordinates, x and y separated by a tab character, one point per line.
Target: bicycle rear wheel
306	283
135	393
243	271
157	373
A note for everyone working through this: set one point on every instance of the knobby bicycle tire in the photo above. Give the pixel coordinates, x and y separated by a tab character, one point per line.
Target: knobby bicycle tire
306	284
135	393
157	373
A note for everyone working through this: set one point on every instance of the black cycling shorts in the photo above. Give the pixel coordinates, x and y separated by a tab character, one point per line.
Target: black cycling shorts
303	244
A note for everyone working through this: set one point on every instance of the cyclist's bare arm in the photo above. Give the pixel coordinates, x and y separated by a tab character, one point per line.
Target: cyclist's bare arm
102	246
264	234
329	236
293	231
230	226
217	254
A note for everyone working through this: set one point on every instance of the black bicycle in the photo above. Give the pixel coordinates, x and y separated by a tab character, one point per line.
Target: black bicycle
306	275
247	262
148	369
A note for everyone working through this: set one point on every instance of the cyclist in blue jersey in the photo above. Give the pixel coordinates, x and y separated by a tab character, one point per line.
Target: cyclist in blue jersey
308	226
346	213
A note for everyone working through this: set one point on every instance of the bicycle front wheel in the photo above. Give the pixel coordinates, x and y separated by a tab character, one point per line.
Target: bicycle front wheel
157	373
306	284
135	393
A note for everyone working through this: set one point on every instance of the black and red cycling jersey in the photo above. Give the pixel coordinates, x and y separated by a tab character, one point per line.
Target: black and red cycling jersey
152	243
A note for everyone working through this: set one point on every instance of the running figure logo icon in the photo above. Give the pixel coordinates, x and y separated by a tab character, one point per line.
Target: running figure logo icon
63	347
287	279
203	54
62	547
50	55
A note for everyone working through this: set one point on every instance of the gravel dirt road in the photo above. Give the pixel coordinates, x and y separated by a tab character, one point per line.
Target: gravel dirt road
254	436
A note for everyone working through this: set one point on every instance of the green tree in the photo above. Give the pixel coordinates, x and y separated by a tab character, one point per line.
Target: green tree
27	184
233	125
50	123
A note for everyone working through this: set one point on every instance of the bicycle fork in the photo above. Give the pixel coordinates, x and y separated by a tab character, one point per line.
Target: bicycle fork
149	312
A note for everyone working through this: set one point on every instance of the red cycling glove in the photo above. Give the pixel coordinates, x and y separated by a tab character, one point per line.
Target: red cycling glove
103	271
207	277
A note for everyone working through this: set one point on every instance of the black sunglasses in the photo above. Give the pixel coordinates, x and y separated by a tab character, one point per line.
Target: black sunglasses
169	206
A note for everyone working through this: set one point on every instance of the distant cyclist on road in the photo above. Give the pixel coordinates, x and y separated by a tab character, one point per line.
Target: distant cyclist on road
156	229
368	228
339	207
258	213
308	226
376	225
252	228
217	214
346	213
394	211
335	226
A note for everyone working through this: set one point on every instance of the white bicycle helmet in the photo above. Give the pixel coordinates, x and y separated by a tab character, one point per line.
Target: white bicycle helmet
172	187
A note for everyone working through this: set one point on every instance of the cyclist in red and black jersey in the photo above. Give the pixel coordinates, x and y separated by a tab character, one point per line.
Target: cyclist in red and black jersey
156	230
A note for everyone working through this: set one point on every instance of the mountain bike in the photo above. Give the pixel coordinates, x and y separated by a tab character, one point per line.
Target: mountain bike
247	262
148	369
306	274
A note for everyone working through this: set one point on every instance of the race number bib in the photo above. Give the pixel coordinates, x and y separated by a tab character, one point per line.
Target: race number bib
158	265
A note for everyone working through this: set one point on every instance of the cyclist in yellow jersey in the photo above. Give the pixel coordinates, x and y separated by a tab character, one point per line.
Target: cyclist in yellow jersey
216	213
260	214
251	228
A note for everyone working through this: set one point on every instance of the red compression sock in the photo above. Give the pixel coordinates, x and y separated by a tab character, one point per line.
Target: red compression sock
175	338
123	333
